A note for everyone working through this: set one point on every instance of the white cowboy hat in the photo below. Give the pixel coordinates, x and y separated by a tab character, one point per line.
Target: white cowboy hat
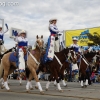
52	20
22	32
75	39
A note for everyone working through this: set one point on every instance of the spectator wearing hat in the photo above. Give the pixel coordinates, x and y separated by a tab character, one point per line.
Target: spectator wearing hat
22	41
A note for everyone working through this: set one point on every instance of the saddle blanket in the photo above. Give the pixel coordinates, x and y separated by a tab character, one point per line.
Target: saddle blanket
49	50
14	58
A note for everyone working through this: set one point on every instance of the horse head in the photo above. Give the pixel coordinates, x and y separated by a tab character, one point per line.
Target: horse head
72	55
39	42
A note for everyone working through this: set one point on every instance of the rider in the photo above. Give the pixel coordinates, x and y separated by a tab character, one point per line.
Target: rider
22	46
74	67
53	41
75	45
1	36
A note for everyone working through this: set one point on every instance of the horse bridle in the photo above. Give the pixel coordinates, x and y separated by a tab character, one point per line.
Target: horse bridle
40	48
70	55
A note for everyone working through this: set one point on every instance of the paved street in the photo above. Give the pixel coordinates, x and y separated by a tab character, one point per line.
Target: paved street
72	92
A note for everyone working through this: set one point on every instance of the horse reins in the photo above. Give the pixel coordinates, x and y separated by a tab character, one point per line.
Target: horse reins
58	60
34	59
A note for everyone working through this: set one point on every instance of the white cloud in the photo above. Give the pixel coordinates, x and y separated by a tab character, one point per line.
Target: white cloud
33	16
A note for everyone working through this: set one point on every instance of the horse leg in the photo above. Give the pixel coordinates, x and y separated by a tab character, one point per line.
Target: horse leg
55	83
2	83
57	80
30	78
49	81
81	80
62	78
20	77
5	80
33	71
1	80
20	80
29	84
86	80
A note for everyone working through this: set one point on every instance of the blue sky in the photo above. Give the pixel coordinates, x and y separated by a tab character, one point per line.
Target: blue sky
34	15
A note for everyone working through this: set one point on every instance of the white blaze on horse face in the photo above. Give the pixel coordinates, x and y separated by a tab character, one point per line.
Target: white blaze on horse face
40	42
75	55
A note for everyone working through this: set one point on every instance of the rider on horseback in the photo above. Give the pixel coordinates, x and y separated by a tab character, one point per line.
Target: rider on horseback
22	46
1	37
53	41
75	45
74	67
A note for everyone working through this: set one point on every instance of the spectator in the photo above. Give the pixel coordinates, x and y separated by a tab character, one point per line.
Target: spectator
93	76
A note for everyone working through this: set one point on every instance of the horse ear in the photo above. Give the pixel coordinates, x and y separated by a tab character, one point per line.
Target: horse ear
37	37
41	36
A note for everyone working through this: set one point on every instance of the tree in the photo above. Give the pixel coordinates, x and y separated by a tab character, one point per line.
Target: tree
95	38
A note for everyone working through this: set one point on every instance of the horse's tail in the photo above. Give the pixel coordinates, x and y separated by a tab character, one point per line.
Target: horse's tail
1	69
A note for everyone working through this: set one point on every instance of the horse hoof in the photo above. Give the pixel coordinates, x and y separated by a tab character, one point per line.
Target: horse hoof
36	87
82	86
27	91
85	86
2	87
31	89
9	84
61	91
46	89
41	92
9	90
20	84
65	86
55	85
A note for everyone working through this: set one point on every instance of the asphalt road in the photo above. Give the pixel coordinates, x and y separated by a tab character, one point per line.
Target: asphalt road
72	92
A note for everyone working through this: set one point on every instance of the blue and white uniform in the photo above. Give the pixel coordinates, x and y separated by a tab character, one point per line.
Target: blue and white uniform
22	42
53	29
74	67
1	39
53	42
2	34
76	47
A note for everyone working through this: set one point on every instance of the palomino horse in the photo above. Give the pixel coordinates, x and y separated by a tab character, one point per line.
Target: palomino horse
85	67
9	66
33	63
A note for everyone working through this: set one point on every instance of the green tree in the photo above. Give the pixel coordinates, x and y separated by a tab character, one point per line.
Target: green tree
95	38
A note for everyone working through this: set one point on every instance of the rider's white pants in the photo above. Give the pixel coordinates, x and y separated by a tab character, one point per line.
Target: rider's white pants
21	60
56	46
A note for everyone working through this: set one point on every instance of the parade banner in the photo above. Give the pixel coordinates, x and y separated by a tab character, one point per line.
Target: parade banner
81	35
14	32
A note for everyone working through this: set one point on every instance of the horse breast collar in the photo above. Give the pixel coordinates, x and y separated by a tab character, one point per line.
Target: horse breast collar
85	60
33	52
58	60
34	58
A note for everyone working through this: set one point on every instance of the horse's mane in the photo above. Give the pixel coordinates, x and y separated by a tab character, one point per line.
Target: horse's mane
90	54
62	51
